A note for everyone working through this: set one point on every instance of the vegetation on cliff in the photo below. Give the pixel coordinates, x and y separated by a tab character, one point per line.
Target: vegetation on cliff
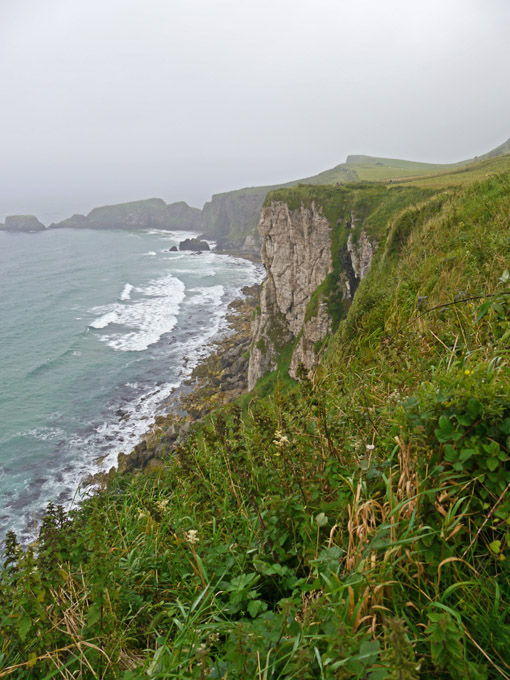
352	525
233	215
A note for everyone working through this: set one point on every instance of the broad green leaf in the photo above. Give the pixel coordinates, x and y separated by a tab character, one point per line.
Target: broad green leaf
495	547
450	453
321	519
483	309
474	408
24	626
255	607
492	463
505	426
466	454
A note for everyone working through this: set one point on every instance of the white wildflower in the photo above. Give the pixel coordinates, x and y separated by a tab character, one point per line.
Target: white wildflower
370	447
280	440
161	505
192	536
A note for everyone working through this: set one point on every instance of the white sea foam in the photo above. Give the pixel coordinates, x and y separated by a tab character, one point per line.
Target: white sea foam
151	253
126	292
145	320
104	321
44	433
203	271
210	295
121	435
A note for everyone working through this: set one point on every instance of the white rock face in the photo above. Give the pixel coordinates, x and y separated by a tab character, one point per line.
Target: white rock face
361	254
296	252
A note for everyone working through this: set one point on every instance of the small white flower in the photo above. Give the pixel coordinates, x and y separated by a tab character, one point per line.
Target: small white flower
280	439
161	505
192	536
370	447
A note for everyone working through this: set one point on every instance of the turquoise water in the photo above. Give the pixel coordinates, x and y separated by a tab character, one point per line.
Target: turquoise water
96	329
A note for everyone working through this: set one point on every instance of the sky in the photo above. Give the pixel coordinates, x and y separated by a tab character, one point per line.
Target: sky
106	101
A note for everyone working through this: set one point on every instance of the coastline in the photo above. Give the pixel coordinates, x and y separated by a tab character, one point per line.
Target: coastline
219	378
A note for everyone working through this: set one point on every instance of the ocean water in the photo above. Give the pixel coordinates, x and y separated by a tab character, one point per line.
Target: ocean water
96	330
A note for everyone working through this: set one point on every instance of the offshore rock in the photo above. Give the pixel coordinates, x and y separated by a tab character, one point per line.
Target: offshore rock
22	223
193	244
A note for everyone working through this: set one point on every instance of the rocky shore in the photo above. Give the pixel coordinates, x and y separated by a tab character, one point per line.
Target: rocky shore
220	378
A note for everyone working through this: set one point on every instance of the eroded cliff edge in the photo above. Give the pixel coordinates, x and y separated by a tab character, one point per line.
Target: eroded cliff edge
315	258
296	252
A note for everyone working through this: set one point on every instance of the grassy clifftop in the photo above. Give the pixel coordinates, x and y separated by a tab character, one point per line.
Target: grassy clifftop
353	525
233	215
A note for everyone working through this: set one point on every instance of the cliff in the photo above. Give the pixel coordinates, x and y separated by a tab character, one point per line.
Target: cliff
22	223
296	252
232	217
318	244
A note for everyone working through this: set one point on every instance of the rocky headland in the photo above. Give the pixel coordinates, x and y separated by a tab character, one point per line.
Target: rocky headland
152	213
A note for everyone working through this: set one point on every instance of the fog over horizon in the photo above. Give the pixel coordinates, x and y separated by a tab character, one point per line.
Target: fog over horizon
107	101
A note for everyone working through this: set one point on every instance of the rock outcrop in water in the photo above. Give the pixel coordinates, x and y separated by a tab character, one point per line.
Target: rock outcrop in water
152	213
22	223
194	244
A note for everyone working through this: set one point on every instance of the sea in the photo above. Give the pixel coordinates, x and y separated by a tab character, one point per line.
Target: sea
97	330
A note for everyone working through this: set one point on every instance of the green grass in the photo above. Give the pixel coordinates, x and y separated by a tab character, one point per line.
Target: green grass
352	526
235	214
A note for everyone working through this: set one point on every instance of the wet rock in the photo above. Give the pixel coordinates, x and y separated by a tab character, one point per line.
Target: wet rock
193	244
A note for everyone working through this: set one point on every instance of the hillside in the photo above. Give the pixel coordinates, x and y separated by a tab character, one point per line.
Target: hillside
233	216
350	524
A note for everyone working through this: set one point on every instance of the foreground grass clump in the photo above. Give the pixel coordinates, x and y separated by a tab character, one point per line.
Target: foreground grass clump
353	525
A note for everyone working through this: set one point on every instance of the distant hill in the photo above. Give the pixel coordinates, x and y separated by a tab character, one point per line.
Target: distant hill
233	216
152	213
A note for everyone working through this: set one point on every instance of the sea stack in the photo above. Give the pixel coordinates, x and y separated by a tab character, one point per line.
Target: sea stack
22	223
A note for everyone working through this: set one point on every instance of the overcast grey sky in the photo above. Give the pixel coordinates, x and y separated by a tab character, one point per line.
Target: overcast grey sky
103	101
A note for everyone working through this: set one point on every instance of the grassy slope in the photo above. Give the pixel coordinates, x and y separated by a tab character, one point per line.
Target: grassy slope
356	168
353	526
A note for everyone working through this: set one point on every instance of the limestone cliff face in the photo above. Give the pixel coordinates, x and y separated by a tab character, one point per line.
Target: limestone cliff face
355	258
361	254
297	255
230	218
